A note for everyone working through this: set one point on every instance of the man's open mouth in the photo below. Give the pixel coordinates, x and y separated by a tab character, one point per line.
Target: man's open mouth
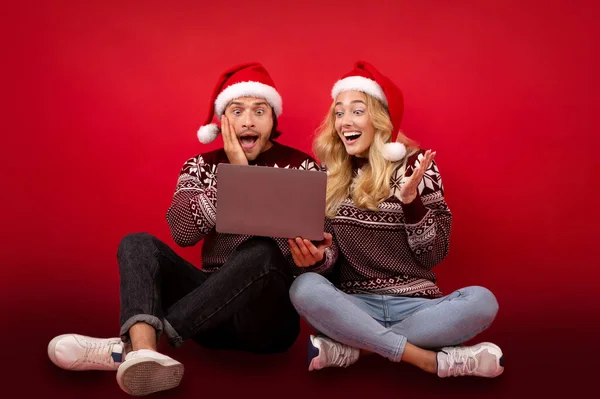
248	140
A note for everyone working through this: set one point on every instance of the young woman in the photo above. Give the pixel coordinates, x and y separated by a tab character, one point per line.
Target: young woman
392	225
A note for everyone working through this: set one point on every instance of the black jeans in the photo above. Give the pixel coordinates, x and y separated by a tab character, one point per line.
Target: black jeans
244	305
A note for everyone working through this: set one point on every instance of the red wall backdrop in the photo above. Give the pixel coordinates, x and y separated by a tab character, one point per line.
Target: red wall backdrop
102	102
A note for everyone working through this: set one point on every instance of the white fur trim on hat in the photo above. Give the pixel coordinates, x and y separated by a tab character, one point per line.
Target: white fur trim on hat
208	133
359	83
394	152
248	89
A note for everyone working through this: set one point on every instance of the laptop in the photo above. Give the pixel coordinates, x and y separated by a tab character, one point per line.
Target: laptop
270	202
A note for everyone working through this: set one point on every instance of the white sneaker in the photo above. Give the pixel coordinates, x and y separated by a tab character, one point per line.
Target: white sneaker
325	352
481	360
145	371
79	352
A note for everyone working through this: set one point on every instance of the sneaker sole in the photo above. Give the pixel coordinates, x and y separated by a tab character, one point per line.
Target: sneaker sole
144	376
500	356
313	354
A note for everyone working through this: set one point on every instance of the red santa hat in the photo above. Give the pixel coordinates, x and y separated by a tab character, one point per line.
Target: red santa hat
245	80
365	78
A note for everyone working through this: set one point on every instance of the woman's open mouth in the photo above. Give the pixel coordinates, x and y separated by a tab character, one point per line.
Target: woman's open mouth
351	137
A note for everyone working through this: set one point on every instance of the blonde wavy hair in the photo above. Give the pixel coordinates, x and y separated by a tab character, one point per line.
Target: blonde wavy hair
372	186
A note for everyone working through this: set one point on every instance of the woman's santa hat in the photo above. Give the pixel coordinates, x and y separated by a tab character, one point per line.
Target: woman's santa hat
246	80
365	78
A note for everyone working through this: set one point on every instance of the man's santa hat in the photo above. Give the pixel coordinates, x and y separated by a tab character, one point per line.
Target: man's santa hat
246	80
365	78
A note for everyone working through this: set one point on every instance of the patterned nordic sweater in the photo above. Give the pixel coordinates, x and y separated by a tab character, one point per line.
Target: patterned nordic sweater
192	214
392	251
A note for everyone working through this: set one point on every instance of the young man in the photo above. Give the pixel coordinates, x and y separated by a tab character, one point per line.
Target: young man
240	298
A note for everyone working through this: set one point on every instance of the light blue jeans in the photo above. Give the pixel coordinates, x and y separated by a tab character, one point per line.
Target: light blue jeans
384	324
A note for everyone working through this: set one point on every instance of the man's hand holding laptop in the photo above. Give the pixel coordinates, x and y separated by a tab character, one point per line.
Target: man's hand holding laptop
305	253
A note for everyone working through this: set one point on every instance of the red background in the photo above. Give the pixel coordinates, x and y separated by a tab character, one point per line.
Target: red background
102	102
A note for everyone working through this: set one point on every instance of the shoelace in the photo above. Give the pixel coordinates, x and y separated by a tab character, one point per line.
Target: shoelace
100	352
340	355
459	364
